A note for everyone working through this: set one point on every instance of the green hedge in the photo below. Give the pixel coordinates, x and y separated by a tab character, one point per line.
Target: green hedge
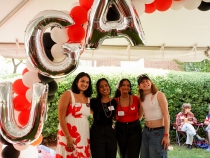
179	87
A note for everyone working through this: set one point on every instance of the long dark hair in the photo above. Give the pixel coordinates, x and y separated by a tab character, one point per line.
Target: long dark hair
98	95
88	92
117	92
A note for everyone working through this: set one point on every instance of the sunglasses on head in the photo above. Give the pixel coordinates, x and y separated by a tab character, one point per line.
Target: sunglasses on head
141	77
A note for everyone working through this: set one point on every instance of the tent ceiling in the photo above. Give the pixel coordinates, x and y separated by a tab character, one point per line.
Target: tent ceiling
184	33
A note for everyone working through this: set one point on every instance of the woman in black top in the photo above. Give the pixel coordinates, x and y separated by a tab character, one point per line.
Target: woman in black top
103	142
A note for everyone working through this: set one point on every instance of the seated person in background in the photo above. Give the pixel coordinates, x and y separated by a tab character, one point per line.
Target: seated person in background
184	121
207	122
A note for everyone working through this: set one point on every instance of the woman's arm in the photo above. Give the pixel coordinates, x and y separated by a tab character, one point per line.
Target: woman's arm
141	111
206	121
63	104
164	108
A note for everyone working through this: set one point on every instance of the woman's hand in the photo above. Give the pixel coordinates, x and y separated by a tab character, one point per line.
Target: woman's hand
165	142
70	142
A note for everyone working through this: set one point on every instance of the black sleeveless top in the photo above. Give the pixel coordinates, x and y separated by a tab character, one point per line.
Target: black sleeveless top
103	113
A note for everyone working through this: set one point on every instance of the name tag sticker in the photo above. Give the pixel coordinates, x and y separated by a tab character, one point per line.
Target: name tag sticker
77	105
133	108
111	108
121	113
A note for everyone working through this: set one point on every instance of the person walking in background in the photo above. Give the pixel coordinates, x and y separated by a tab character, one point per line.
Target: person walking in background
207	123
73	112
184	121
128	127
155	136
103	143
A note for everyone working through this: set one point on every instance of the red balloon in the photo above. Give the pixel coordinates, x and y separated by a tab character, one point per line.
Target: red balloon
21	103
162	5
76	33
24	71
86	3
150	8
79	14
23	117
19	87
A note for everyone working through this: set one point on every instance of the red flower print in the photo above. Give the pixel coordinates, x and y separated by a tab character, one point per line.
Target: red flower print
76	110
61	133
58	156
69	110
87	151
73	131
81	155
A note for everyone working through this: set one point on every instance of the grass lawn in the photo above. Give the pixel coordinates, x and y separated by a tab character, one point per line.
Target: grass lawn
183	152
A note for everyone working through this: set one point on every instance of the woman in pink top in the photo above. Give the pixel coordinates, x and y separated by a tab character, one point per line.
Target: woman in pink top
155	136
128	127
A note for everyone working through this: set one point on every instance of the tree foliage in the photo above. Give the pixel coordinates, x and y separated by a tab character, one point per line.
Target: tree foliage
203	66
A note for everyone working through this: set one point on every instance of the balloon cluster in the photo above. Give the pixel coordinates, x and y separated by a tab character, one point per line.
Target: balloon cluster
150	6
52	41
23	89
14	150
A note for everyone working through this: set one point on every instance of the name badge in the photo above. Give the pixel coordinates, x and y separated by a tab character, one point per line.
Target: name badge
77	105
133	108
121	113
111	108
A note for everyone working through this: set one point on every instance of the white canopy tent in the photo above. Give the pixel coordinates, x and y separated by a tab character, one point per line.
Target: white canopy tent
181	34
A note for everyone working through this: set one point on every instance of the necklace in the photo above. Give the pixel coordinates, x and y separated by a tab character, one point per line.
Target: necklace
106	110
128	105
125	97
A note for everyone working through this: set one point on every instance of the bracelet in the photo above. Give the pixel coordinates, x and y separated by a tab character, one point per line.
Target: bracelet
166	135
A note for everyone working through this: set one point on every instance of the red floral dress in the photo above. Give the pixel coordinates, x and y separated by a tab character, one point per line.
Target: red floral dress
78	126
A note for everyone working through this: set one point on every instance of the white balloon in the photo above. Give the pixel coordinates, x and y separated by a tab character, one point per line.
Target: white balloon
30	152
29	94
139	6
29	78
191	4
29	66
176	5
146	1
59	36
20	147
56	52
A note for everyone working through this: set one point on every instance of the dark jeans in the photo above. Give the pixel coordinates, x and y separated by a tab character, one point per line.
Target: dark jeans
129	139
151	144
103	143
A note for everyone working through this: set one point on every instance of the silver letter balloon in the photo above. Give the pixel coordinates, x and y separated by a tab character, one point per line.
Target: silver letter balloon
34	45
99	27
10	130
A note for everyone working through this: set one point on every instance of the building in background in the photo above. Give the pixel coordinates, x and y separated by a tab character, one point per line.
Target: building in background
142	63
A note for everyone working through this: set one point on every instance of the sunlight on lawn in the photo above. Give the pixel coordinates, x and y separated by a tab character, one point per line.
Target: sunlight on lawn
183	152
